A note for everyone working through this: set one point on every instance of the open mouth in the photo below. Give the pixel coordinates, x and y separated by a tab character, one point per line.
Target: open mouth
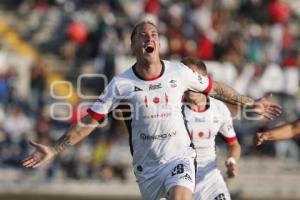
149	49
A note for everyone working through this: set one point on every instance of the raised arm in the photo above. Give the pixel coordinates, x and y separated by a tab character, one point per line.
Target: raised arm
73	135
227	94
76	133
284	132
261	106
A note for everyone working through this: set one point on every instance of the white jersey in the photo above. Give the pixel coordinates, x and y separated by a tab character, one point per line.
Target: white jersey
204	126
158	133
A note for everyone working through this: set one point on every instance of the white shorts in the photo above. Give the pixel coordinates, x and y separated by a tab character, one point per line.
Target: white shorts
210	184
177	172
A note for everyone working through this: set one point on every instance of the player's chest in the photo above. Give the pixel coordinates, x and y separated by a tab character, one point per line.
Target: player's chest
203	127
159	93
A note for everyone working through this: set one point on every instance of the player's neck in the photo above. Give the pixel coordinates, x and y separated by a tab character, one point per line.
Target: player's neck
148	70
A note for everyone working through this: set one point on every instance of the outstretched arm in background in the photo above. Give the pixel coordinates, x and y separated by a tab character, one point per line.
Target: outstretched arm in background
261	106
284	132
73	135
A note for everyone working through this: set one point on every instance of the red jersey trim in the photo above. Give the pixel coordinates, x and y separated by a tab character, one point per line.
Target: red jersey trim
230	139
95	115
209	87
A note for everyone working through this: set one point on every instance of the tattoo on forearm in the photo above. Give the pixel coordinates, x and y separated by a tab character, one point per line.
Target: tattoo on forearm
62	143
229	95
77	131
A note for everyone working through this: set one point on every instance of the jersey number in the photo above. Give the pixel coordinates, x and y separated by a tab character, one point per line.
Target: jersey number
179	169
220	197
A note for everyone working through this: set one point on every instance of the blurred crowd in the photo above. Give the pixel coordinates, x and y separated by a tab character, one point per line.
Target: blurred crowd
252	45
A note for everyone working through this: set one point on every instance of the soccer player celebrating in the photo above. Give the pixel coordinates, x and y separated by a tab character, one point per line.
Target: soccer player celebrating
163	160
283	132
205	117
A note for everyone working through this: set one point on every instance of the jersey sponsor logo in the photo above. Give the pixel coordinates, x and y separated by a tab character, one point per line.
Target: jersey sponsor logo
173	83
146	101
166	98
136	89
200	135
156	100
158	116
220	197
155	86
187	177
199	119
163	136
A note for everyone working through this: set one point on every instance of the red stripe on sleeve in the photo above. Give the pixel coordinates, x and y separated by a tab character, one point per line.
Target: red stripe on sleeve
95	115
230	139
209	87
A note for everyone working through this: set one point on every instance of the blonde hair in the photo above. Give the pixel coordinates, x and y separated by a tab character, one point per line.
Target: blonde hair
135	28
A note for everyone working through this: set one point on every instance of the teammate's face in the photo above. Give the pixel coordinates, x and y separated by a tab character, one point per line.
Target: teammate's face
194	68
146	41
192	96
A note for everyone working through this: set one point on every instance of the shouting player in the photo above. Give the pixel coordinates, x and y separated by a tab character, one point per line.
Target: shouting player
205	117
163	160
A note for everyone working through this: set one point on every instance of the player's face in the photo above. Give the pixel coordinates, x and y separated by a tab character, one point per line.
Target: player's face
146	42
192	96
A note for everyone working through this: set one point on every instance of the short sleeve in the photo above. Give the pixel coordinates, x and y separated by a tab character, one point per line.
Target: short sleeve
195	81
227	129
106	102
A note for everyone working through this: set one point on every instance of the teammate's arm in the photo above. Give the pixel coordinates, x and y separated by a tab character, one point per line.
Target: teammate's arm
73	135
233	154
233	146
261	106
284	132
233	150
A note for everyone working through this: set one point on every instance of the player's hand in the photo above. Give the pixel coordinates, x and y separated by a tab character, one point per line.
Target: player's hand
267	108
41	155
260	138
232	168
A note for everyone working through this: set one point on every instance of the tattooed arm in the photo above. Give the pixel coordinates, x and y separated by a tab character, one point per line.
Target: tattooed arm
227	94
73	135
261	106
